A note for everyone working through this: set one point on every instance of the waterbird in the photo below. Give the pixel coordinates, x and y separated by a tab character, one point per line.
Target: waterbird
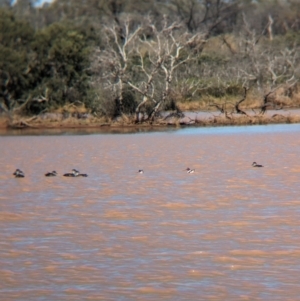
74	173
78	174
140	171
254	164
188	170
51	174
19	173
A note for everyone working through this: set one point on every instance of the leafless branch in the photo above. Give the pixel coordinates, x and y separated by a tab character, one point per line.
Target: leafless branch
237	104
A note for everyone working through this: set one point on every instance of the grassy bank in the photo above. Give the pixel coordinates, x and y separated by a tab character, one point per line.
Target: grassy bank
207	111
208	118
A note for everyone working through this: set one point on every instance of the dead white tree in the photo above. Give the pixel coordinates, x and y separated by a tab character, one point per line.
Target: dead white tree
146	88
112	62
271	68
166	54
145	59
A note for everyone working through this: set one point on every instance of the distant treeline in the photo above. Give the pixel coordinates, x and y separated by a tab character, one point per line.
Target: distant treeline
127	56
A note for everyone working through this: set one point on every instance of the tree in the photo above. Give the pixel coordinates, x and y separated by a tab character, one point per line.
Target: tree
61	63
42	69
143	60
15	38
212	17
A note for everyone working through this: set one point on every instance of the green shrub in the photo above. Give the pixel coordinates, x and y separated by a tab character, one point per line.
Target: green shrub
52	63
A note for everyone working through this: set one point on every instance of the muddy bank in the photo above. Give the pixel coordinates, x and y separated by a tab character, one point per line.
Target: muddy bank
61	121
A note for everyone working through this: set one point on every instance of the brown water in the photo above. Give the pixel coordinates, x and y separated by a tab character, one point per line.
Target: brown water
226	232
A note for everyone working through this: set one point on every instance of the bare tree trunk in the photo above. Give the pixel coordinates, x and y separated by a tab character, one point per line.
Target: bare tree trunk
270	30
237	105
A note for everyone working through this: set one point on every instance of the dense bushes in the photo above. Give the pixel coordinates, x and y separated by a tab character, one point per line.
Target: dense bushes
15	38
61	62
50	64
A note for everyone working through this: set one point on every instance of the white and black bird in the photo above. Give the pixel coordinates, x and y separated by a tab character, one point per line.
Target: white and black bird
19	173
188	170
254	164
74	173
51	174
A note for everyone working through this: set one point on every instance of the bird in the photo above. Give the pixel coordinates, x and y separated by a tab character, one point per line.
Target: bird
78	174
74	173
140	171
254	164
188	170
51	174
19	173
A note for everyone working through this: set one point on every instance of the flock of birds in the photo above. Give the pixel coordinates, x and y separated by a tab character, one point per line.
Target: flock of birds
188	170
75	173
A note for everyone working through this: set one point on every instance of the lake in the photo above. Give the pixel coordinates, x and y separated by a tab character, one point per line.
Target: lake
226	232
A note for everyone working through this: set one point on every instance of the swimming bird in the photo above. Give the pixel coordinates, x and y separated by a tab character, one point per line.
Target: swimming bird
51	174
74	173
254	164
188	170
19	173
140	171
78	174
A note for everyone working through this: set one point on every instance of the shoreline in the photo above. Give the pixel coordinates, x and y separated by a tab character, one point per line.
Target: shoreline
195	119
